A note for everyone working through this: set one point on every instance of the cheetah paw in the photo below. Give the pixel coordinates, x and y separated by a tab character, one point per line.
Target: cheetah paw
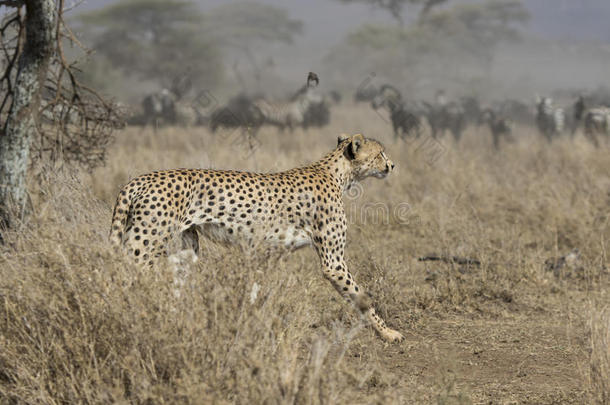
392	336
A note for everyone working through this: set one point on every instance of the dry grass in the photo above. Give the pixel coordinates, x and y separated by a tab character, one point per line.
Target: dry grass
80	324
598	366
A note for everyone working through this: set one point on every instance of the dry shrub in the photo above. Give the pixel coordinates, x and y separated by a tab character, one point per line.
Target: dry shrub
599	357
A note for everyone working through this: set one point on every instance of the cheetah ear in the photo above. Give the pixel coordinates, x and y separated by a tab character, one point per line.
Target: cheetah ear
355	144
357	141
342	138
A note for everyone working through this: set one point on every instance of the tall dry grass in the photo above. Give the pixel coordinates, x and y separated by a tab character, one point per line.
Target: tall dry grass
597	369
80	324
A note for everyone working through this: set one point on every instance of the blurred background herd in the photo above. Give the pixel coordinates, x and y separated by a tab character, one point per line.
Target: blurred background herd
429	66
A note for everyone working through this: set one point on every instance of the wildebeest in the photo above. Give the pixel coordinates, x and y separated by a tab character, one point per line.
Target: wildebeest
517	111
240	112
159	108
166	108
578	113
317	115
446	115
498	126
404	122
472	110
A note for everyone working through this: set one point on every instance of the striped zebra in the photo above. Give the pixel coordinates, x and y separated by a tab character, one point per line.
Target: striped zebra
291	113
597	122
550	120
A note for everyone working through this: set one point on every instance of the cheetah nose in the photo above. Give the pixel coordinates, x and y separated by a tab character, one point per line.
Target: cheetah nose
389	166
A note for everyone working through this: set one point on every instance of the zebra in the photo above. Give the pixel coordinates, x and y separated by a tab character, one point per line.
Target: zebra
550	120
293	112
404	122
597	122
499	126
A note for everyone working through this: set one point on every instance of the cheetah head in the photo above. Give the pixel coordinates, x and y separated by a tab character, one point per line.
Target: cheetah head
366	157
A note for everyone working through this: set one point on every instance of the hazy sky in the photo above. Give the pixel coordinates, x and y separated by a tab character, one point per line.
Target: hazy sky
329	20
326	22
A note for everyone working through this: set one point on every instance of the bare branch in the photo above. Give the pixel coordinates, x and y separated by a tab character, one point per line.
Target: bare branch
75	123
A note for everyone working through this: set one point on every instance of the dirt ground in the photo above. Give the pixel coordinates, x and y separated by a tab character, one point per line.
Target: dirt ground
80	324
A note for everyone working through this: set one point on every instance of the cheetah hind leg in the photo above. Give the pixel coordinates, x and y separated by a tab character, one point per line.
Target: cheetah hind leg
181	261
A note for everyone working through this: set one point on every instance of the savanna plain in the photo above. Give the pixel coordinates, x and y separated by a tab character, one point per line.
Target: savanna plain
517	324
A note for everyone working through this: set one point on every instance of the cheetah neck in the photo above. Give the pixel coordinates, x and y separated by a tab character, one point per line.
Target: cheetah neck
339	167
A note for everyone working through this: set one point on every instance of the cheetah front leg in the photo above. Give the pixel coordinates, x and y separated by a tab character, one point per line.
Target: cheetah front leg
331	252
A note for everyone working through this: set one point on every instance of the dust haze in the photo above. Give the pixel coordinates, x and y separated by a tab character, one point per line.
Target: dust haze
486	246
561	46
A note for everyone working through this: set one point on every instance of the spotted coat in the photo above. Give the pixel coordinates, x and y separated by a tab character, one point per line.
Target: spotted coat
290	209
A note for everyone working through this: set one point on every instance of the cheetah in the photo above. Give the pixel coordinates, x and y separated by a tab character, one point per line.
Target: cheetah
290	209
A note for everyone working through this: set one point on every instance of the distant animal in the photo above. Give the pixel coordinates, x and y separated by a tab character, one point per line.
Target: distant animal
164	107
404	122
550	120
289	210
498	126
317	114
292	113
597	122
578	113
517	111
445	115
239	112
472	110
159	108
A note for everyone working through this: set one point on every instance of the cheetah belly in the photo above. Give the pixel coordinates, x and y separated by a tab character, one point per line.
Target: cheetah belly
217	233
290	238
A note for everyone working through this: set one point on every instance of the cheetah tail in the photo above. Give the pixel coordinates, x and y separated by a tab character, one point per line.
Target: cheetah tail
120	216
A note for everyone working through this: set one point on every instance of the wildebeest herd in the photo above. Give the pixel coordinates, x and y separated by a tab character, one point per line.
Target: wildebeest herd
309	107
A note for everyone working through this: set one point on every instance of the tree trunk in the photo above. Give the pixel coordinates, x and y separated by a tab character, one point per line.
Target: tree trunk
40	26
